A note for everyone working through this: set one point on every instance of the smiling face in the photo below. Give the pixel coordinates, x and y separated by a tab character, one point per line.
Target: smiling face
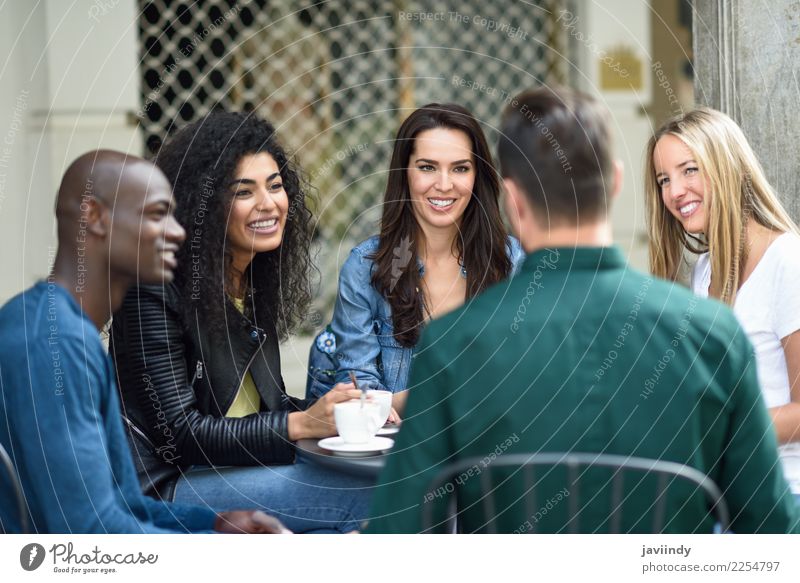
259	206
145	236
683	187
441	175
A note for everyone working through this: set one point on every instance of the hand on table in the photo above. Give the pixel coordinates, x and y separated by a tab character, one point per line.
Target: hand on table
317	420
399	403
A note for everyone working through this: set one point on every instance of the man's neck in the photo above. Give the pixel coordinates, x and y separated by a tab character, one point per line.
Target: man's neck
593	235
97	291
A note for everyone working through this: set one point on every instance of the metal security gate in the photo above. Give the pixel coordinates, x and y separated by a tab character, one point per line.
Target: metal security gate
336	78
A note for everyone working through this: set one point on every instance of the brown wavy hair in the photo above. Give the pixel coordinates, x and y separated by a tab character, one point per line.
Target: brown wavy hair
481	245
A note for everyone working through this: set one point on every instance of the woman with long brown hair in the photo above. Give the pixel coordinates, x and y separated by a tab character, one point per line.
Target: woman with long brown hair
442	241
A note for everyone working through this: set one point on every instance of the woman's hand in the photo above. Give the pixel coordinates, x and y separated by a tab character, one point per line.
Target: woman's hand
317	420
248	522
394	417
399	404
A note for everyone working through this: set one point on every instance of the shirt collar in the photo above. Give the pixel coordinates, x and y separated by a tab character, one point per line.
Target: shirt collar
572	258
421	268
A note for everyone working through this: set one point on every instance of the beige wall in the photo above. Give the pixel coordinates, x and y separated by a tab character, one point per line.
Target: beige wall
69	83
600	31
633	36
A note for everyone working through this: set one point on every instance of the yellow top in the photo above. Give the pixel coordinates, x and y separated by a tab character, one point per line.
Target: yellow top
247	400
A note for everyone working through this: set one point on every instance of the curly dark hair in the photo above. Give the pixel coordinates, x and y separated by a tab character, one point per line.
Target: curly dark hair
481	246
200	161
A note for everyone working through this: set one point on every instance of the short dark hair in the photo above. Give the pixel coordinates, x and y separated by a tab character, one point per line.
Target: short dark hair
555	144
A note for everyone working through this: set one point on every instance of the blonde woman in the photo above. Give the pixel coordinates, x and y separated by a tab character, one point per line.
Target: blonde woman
707	194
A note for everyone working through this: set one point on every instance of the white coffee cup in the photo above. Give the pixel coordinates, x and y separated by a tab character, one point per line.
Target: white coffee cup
357	424
384	399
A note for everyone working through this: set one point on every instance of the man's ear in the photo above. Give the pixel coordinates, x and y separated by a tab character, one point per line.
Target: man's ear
96	216
618	169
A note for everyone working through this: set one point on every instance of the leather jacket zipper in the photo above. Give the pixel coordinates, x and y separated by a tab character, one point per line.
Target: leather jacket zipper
132	427
198	372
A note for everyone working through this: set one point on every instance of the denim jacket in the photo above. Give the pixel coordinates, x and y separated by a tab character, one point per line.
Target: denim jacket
360	337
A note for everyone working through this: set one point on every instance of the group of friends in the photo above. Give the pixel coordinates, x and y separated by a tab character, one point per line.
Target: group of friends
538	340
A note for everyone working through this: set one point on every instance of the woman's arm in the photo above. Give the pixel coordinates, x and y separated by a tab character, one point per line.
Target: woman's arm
787	417
154	352
353	325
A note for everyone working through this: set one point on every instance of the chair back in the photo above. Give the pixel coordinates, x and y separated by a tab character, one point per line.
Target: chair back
19	498
532	469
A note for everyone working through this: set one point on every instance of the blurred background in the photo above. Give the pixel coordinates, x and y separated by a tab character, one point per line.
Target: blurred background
336	79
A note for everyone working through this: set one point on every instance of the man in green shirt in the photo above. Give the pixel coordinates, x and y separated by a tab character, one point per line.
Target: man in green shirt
580	353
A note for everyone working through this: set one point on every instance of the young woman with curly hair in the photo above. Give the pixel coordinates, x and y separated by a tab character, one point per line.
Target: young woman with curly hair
198	360
707	195
441	242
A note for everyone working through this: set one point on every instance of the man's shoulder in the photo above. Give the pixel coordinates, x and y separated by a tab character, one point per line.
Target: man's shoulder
478	315
40	317
660	302
23	315
666	300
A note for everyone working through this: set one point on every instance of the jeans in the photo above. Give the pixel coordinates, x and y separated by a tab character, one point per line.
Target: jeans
307	499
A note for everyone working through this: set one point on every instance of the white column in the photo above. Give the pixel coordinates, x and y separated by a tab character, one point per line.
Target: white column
71	85
746	61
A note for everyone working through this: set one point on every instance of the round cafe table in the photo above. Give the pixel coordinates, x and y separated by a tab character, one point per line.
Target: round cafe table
308	451
368	467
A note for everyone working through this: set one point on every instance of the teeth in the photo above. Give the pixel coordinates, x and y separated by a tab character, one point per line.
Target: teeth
441	203
263	224
689	208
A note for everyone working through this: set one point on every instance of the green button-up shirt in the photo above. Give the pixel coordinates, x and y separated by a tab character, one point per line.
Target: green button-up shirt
580	353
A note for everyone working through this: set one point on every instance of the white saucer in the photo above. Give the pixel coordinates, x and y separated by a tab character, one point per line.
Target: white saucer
389	429
339	447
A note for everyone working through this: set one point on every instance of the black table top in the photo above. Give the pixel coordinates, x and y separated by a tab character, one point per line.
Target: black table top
367	467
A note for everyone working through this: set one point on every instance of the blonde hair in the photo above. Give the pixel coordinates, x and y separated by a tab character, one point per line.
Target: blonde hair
739	191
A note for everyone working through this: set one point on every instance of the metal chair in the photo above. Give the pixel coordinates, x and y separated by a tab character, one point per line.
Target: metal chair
667	473
22	507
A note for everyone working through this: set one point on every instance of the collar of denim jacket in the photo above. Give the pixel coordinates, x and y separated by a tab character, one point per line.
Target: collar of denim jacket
421	268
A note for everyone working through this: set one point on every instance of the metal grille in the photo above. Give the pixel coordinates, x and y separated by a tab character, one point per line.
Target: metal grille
337	78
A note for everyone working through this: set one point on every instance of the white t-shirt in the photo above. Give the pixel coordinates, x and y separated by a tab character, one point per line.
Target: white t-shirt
768	308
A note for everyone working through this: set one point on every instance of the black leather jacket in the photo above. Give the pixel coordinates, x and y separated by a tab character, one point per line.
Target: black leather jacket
177	381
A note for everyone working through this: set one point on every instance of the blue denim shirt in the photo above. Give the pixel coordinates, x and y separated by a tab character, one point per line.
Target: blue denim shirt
360	337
